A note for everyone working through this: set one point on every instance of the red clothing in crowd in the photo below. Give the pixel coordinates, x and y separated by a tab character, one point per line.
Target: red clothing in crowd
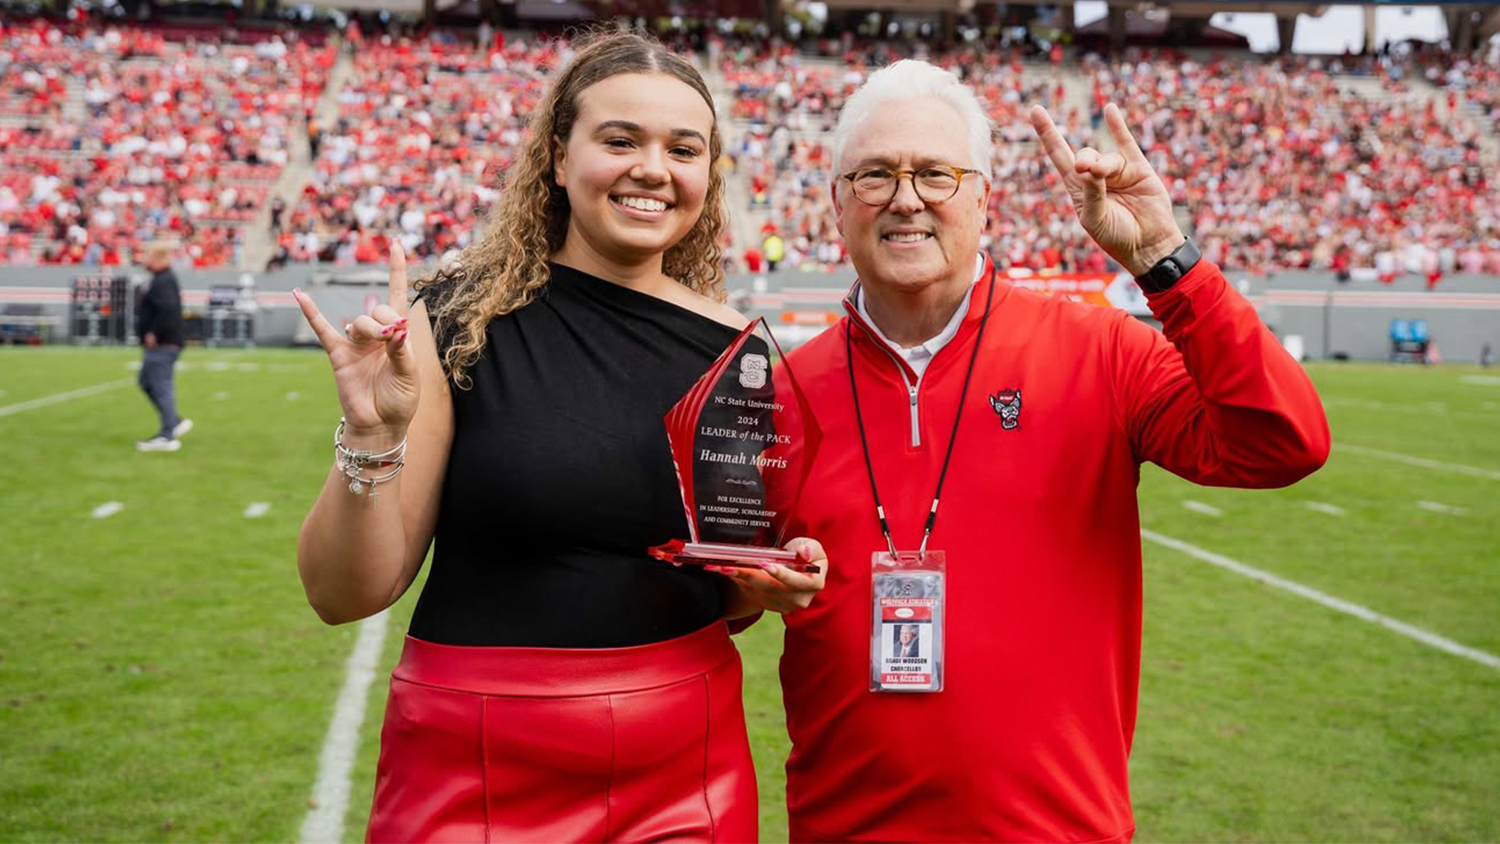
1030	738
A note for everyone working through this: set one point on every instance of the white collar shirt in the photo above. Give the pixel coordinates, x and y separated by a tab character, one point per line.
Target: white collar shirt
920	355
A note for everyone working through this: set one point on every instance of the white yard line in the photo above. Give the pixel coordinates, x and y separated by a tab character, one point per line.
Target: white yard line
1423	462
1205	509
55	398
1449	509
107	509
324	823
1428	409
1323	507
257	509
1430	639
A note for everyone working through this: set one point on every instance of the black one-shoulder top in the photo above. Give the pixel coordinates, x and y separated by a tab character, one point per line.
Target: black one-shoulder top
560	478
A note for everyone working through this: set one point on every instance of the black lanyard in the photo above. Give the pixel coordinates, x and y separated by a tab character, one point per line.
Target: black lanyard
885	527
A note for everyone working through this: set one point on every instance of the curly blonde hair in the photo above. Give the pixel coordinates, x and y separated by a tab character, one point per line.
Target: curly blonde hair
506	267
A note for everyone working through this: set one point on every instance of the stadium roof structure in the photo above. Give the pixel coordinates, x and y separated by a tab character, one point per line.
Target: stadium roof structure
553	10
1470	22
560	11
959	6
1461	14
397	6
1154	26
678	8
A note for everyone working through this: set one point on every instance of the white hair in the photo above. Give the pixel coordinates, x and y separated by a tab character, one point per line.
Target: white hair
911	79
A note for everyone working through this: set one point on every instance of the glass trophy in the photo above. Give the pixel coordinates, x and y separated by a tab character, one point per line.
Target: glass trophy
742	441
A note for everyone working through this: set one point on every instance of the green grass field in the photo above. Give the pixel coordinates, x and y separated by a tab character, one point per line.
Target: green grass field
162	678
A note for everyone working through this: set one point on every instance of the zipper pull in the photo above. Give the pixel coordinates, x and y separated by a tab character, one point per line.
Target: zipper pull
916	424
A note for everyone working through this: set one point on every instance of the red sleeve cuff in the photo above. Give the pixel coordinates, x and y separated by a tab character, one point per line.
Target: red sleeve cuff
1203	277
1195	277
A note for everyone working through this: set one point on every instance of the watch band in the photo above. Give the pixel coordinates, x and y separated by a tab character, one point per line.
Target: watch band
1168	270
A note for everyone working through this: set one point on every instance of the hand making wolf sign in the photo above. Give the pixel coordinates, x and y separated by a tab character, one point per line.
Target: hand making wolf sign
372	363
1120	200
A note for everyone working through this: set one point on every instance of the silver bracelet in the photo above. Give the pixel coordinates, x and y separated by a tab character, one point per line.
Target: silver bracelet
351	462
363	457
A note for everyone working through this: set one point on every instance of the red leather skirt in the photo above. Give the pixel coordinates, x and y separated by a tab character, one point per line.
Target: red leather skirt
548	744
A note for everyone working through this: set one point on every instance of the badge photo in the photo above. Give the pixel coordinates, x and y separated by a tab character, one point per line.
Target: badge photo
906	645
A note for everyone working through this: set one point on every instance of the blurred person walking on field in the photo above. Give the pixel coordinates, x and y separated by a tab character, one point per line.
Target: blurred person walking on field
556	683
158	322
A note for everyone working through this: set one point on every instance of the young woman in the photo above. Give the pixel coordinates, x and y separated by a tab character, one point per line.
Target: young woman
556	684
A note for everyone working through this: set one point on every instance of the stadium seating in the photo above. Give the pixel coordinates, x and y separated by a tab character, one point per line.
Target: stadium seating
424	130
114	135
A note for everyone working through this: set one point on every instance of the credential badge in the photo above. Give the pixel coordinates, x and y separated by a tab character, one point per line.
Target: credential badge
753	371
1007	405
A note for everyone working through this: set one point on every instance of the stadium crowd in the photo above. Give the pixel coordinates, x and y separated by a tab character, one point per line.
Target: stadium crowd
1285	168
425	129
114	136
111	137
1471	82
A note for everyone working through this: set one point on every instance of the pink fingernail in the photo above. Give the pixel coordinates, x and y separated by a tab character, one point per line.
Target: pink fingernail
402	337
714	569
387	330
769	566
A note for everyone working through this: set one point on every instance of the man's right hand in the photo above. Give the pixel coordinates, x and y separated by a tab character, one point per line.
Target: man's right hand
1121	202
373	367
149	339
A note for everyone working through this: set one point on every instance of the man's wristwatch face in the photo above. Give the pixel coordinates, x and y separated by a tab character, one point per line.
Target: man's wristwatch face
1171	268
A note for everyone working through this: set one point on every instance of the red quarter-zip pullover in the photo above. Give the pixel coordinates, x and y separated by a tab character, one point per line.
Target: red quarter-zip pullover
1030	737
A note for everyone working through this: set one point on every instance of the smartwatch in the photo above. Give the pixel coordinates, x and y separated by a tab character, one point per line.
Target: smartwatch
1168	270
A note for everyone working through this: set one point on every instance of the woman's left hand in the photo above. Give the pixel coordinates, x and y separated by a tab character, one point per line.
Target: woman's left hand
776	587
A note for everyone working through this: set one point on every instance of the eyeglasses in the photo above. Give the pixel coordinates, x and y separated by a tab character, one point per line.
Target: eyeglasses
934	183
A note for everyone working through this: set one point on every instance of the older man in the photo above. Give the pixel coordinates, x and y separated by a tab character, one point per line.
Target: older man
1000	432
